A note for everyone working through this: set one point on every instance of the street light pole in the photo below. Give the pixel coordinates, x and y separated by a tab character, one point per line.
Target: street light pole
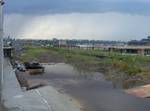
1	46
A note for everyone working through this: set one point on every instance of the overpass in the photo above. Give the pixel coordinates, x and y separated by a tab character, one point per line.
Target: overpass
141	50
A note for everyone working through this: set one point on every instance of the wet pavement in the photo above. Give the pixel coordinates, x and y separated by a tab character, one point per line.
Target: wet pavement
42	99
91	90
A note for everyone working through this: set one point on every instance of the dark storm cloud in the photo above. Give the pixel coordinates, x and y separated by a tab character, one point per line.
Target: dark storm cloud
82	19
70	6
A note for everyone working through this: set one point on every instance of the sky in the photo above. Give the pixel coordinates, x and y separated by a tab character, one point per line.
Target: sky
122	20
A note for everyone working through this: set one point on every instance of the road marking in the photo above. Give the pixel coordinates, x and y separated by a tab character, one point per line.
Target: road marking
45	101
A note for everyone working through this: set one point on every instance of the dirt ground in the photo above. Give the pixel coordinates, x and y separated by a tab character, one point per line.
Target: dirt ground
2	108
49	57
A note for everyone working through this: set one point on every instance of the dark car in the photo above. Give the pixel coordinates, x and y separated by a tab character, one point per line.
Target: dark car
33	65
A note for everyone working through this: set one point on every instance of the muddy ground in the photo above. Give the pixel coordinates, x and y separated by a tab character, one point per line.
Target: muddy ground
2	108
91	90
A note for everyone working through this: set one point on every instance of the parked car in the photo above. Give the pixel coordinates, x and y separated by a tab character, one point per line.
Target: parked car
19	66
33	65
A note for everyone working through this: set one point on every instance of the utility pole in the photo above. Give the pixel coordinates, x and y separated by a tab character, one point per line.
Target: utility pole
1	46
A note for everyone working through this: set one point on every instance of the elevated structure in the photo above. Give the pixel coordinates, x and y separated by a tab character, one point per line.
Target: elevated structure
140	50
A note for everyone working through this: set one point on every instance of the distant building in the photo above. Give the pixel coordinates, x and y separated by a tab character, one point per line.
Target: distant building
56	42
135	42
8	52
85	46
145	41
62	43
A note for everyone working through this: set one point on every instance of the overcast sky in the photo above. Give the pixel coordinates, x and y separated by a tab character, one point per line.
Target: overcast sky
78	19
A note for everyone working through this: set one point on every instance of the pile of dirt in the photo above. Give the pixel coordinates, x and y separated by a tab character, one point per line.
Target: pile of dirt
29	84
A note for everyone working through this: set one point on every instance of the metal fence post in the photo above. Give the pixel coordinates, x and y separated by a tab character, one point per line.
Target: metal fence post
1	46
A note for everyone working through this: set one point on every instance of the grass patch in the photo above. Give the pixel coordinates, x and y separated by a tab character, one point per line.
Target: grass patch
31	52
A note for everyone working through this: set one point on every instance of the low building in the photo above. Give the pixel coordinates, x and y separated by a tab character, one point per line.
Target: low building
8	52
62	43
59	43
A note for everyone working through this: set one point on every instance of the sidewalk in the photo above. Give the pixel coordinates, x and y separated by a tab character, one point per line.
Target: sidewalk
42	99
